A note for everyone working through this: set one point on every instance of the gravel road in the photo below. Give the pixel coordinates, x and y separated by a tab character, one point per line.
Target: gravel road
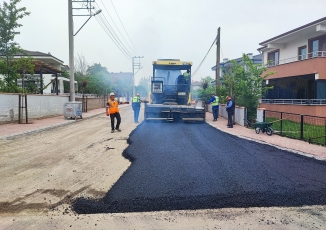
194	166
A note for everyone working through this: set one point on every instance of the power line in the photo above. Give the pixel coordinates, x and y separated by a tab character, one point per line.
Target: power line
204	57
114	35
117	27
112	39
123	26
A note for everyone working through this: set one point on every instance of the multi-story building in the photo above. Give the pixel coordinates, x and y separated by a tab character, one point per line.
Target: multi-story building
257	59
299	59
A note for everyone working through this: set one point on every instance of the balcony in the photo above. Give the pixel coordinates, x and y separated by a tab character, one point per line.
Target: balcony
311	63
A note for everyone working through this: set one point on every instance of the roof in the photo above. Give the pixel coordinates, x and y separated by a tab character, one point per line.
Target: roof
295	30
255	58
37	54
45	68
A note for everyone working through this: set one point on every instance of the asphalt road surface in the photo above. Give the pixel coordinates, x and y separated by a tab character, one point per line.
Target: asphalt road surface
178	166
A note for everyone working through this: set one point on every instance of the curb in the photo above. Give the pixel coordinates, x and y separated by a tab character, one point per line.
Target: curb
273	145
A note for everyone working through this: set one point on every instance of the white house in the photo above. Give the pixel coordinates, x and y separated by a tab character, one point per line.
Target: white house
299	59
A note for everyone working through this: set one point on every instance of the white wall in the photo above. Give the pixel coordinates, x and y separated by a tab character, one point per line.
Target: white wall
240	113
290	49
38	106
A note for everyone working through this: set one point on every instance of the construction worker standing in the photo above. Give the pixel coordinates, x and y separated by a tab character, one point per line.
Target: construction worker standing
214	101
113	111
136	107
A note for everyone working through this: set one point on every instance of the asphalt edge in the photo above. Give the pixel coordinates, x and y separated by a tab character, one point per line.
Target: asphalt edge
273	145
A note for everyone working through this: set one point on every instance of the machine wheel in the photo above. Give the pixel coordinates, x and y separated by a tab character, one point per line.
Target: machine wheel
269	131
257	130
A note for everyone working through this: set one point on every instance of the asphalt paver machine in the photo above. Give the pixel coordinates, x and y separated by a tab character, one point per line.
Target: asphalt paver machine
170	96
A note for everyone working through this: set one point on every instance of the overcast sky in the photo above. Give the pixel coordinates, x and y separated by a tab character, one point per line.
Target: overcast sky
179	29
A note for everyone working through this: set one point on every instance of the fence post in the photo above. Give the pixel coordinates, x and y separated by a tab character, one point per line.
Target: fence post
19	108
281	123
264	116
26	111
301	127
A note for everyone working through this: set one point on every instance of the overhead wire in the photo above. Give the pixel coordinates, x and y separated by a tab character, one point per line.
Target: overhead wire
204	57
113	33
112	39
117	27
123	26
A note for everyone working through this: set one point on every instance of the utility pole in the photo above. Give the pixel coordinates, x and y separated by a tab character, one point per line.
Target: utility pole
217	71
71	52
138	66
87	5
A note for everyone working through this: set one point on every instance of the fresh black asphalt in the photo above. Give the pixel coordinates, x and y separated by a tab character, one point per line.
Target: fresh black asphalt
178	166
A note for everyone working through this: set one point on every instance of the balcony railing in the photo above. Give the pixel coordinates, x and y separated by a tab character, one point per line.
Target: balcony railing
297	58
295	101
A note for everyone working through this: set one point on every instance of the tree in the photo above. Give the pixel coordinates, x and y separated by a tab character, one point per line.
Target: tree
9	16
244	82
81	65
205	93
144	86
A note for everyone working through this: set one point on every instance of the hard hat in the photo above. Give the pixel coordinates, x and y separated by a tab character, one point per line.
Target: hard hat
137	94
112	94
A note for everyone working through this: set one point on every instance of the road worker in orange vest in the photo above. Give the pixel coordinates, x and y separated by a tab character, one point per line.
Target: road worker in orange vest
113	111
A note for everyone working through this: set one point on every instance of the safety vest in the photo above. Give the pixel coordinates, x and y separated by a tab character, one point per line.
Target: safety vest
135	99
215	102
113	106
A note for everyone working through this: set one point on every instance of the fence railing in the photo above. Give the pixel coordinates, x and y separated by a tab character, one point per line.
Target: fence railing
295	101
303	57
303	127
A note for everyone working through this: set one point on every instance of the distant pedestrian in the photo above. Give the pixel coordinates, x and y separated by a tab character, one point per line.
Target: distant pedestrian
214	101
113	111
136	107
230	107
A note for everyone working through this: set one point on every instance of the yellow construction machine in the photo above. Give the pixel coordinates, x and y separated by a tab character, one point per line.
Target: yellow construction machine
170	97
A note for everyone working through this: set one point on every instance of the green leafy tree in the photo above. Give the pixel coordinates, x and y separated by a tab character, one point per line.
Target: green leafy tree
144	86
205	93
25	65
9	17
244	82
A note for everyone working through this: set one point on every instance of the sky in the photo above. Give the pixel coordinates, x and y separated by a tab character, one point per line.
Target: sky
176	29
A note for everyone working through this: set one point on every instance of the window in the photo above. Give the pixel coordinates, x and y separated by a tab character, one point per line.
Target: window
302	52
273	57
317	46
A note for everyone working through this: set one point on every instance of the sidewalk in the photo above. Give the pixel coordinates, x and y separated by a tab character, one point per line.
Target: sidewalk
11	130
8	131
293	145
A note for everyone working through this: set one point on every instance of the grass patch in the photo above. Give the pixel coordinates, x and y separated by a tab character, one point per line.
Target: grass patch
292	129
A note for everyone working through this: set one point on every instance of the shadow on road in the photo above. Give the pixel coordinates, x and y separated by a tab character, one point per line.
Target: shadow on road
194	166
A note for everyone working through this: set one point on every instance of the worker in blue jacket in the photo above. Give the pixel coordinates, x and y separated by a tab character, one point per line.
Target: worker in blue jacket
214	101
230	107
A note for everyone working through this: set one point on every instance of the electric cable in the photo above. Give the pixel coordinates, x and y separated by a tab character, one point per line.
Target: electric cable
204	57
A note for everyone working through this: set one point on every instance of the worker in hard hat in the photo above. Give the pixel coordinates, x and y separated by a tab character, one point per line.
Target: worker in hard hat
113	111
136	106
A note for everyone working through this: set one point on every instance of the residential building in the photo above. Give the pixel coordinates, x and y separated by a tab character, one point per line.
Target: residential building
47	72
299	59
257	59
